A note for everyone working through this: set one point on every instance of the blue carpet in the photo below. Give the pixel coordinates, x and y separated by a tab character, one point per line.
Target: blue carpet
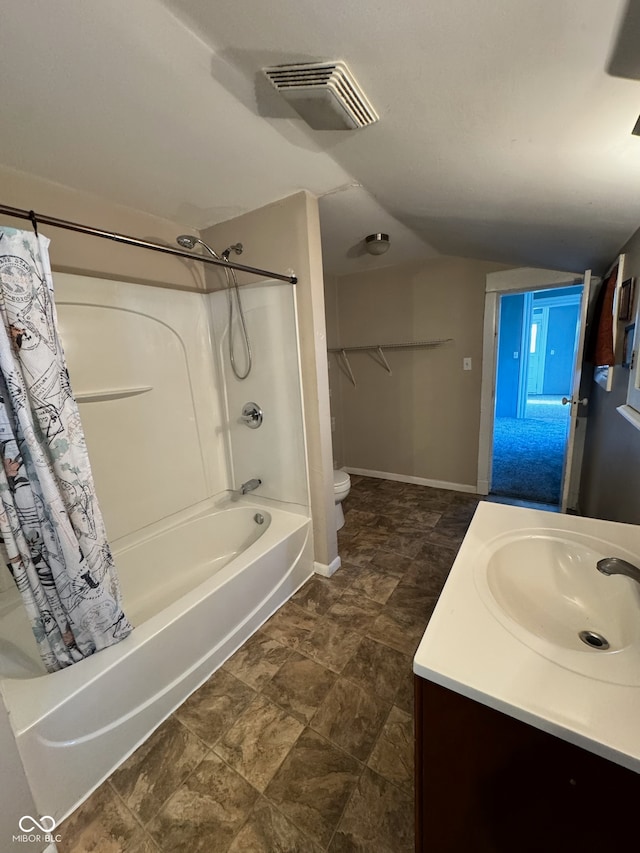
538	406
528	454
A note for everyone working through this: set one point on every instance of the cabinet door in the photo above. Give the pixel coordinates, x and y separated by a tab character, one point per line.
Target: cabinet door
486	783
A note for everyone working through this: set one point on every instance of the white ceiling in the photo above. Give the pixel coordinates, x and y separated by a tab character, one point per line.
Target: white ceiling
501	135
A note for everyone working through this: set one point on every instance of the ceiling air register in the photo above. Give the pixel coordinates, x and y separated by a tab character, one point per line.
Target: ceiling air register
325	94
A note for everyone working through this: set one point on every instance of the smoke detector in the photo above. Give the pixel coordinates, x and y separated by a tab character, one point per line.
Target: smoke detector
325	94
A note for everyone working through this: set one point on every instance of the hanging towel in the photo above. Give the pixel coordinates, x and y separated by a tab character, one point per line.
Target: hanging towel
604	354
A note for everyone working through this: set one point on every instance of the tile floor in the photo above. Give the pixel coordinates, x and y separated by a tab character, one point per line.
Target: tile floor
303	740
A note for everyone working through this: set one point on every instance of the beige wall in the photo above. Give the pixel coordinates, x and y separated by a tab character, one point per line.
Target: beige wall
422	421
283	237
78	253
610	486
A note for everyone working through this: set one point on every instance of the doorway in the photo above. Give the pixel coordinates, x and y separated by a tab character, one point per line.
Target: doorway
528	280
537	340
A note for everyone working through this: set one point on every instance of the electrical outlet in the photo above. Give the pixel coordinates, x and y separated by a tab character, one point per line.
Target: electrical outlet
466	364
516	354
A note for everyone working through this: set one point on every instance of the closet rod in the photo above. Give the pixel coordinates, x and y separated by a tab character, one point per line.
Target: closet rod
41	219
401	345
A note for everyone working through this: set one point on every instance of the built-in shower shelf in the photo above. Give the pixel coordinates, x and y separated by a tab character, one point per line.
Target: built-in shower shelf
111	394
378	349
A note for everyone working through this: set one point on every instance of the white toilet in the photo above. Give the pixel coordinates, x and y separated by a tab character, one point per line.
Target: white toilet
341	487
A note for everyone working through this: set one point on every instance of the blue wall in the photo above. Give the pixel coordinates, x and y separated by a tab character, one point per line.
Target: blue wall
561	333
508	367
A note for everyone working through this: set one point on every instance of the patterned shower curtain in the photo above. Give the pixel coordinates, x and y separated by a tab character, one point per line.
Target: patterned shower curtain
51	528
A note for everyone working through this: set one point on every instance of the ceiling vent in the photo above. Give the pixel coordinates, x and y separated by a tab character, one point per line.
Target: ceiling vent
325	94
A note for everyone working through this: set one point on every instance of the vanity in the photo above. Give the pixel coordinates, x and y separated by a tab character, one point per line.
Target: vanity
527	686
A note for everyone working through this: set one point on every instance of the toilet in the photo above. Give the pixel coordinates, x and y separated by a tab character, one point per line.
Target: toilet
341	486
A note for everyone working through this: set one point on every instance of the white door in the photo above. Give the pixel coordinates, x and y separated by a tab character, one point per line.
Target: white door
575	440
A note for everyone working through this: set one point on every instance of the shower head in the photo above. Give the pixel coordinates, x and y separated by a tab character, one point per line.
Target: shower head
186	241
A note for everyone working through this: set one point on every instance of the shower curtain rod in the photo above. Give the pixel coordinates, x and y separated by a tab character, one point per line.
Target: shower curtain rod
41	219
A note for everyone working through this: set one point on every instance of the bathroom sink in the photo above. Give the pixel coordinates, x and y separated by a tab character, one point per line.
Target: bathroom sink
506	629
550	586
544	587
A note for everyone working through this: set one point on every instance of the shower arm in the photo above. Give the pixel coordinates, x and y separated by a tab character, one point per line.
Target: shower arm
42	219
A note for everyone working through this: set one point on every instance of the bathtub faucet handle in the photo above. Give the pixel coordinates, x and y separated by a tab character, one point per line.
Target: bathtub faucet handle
252	415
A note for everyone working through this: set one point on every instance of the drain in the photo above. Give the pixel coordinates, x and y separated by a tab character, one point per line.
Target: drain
593	639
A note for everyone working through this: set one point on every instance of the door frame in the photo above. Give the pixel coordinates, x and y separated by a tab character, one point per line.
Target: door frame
525	346
521	280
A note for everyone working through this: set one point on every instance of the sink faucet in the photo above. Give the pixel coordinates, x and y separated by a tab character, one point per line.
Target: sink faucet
249	486
618	566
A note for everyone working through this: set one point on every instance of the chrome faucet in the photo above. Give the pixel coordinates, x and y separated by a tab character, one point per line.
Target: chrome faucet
618	566
249	486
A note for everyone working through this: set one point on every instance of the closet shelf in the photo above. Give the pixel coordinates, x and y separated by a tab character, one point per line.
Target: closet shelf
111	394
379	349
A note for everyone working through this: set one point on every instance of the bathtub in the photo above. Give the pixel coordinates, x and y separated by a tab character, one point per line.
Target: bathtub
196	588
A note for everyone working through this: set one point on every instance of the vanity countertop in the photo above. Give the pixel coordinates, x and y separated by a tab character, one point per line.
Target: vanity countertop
472	646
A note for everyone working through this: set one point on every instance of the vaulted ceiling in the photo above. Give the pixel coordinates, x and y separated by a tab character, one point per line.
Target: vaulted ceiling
502	135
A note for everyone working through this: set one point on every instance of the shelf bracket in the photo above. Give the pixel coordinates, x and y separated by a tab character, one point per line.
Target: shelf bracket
345	359
383	360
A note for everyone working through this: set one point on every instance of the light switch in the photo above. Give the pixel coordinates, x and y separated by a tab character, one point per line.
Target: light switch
466	364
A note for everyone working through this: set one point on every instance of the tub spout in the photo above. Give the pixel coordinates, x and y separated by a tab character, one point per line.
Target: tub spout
617	566
249	486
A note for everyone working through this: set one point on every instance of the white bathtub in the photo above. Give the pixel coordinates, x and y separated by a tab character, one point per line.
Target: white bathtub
195	589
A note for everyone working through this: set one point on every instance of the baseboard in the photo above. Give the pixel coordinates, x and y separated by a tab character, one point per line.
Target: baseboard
416	481
327	571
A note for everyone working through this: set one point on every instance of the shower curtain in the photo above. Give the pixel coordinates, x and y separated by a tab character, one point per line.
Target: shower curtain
51	528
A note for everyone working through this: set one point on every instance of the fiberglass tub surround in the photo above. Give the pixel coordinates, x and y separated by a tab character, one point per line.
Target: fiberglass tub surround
200	568
275	451
507	628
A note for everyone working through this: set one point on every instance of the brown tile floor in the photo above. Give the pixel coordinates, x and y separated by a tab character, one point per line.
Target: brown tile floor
303	741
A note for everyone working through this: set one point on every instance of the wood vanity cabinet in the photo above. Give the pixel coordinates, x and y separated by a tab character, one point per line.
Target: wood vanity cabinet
488	783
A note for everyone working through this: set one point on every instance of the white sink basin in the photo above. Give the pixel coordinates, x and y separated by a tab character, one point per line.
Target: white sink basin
549	585
544	587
